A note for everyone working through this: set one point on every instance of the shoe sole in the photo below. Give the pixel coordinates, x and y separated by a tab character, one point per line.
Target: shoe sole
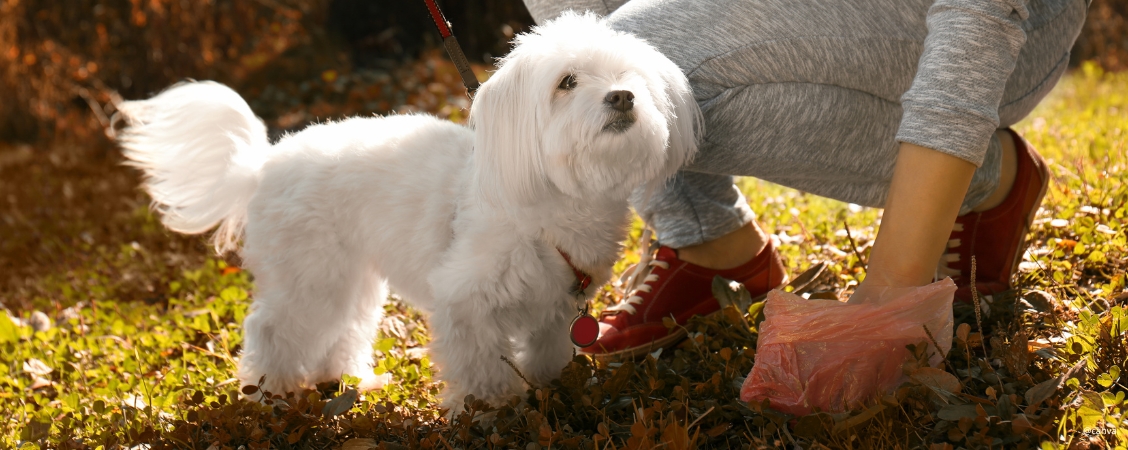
798	286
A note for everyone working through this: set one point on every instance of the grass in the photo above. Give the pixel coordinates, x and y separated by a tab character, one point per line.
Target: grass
118	333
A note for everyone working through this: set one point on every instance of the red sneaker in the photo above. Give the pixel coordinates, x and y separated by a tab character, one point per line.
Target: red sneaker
675	288
997	237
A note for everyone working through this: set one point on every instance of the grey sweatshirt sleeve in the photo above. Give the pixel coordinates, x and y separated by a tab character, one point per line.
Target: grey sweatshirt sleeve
970	51
543	10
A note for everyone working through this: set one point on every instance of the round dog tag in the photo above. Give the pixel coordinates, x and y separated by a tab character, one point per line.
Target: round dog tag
584	330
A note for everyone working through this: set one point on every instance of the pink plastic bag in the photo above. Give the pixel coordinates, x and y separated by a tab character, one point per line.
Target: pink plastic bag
837	356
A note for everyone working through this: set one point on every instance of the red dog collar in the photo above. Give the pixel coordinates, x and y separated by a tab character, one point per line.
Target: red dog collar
584	329
583	280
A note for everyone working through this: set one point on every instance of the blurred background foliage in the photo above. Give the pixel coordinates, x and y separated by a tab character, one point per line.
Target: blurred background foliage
64	64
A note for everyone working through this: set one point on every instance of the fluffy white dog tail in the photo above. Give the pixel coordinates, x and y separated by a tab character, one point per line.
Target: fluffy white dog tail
201	149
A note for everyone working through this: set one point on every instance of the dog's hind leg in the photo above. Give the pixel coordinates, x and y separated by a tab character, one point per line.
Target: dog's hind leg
306	303
272	350
352	353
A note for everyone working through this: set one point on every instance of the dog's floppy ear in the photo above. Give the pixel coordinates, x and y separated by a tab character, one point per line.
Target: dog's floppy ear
507	155
683	117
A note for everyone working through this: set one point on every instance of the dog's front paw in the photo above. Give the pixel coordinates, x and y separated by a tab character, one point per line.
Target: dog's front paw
542	378
451	407
456	403
541	370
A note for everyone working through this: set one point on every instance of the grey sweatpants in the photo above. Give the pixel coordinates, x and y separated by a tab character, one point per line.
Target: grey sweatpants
816	95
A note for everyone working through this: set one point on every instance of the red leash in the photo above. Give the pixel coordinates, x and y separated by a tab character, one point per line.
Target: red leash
452	47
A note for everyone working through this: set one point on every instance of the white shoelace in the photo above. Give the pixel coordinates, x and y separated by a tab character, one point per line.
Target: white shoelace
943	270
632	282
628	305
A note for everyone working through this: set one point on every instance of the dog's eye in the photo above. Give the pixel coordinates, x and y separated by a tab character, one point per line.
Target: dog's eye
568	83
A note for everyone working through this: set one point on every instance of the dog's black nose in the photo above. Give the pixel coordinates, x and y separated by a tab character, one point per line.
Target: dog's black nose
620	100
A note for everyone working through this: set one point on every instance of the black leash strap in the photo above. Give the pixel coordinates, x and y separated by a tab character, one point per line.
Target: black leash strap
452	47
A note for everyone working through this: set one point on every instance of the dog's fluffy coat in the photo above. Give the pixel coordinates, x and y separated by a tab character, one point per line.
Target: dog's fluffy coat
463	223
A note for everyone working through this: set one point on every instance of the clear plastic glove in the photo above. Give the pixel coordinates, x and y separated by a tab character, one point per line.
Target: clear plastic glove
838	356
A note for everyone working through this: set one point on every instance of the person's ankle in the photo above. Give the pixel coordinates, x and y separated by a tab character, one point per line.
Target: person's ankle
728	251
1007	173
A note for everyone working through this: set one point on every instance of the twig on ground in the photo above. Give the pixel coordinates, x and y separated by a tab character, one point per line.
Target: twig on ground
698	419
943	357
854	246
978	315
514	367
445	442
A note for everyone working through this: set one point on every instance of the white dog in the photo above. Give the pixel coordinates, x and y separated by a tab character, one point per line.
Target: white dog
468	224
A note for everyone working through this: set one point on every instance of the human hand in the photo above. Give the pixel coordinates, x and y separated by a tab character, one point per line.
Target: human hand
874	292
833	356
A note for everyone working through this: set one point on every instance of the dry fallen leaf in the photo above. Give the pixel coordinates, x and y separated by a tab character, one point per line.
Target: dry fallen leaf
941	382
859	419
1020	423
1042	391
36	367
